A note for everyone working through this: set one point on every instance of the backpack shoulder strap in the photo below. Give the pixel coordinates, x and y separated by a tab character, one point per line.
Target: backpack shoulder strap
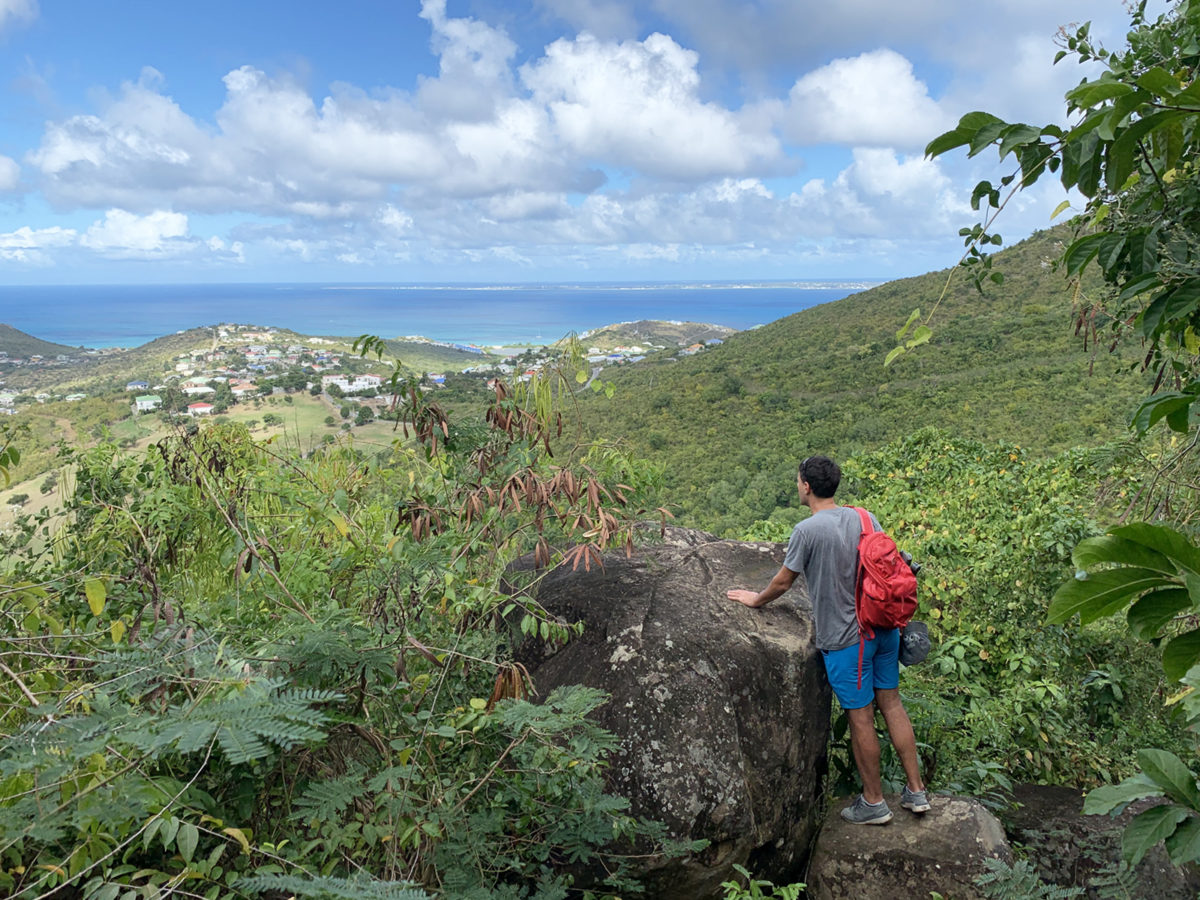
865	518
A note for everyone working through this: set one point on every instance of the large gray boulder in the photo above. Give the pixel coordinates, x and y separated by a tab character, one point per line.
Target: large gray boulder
722	711
942	850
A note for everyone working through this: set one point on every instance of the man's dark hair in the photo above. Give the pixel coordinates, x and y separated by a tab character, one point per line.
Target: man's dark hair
822	474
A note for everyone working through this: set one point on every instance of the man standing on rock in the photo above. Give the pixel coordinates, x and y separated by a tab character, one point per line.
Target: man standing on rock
825	548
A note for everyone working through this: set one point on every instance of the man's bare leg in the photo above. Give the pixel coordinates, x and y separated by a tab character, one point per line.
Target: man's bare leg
865	744
900	730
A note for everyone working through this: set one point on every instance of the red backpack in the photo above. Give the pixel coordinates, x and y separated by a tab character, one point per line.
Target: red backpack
885	591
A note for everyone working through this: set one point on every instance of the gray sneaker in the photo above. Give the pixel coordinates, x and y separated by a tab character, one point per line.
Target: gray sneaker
860	812
914	800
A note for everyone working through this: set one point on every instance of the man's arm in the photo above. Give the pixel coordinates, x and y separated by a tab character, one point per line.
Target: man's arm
778	587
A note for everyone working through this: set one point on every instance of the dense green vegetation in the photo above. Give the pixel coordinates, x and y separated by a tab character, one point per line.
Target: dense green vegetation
729	423
1131	152
237	670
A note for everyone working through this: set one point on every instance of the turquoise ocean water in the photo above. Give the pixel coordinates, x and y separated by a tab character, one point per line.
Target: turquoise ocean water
129	315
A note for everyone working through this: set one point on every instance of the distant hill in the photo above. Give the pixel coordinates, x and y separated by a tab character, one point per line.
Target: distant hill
18	344
150	360
653	333
730	423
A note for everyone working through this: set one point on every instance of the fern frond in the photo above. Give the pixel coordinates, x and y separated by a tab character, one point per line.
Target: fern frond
328	888
324	800
1019	881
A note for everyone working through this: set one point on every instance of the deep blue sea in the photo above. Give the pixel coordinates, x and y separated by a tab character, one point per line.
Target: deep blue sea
130	315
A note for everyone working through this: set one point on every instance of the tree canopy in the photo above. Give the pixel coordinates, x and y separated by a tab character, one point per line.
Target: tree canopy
1131	153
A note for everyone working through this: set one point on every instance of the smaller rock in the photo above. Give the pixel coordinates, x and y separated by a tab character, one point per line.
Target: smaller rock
942	850
1071	849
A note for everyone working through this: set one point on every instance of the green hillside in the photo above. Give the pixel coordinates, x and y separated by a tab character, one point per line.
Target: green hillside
730	423
651	333
154	358
18	344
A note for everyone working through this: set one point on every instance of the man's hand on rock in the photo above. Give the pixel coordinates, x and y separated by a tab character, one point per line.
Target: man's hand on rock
748	598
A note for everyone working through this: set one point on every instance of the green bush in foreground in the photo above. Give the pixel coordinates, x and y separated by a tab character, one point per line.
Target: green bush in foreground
237	670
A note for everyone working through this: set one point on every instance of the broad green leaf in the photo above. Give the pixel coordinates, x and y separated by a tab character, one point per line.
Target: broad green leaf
150	831
1101	593
1176	303
1160	81
1190	94
117	631
1140	285
1147	829
1065	205
1184	845
1119	164
984	136
1169	406
1092	92
1169	773
1081	252
1181	654
1154	610
948	141
1114	797
168	831
1126	146
1090	164
1165	540
912	317
920	336
1108	548
1113	248
892	354
977	119
96	595
1143	252
1013	135
189	837
1170	141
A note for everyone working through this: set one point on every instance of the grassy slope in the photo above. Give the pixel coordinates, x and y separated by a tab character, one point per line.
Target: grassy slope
1005	366
18	344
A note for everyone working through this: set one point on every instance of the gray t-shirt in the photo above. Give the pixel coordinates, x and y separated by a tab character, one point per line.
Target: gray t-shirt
824	548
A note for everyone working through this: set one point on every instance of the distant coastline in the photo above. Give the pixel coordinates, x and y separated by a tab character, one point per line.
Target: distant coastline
485	315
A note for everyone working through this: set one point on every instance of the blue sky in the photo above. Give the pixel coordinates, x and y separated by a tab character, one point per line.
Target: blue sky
491	141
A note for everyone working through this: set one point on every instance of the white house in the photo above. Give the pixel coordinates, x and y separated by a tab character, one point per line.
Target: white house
352	383
200	409
146	403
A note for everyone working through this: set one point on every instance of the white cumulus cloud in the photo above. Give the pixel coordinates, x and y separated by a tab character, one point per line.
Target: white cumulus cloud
30	245
882	195
873	99
125	234
636	104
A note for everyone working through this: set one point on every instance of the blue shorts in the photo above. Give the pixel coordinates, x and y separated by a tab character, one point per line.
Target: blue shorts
880	668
